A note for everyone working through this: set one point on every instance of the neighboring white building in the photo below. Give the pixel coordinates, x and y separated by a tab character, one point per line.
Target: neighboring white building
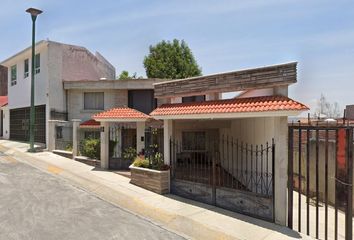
55	63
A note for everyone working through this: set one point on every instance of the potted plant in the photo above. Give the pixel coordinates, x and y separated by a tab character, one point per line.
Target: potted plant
151	174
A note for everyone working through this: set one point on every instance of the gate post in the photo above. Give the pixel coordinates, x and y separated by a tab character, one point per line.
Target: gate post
104	145
76	124
290	176
349	212
52	134
280	176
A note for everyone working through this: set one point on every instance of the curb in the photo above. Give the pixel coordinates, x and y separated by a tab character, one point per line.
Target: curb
181	225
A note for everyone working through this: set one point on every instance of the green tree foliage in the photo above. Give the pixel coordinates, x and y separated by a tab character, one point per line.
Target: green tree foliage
125	75
171	60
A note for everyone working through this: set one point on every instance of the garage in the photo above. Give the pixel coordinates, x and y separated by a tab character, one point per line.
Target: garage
19	124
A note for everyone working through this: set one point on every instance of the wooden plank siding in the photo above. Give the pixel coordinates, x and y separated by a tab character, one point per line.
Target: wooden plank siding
256	78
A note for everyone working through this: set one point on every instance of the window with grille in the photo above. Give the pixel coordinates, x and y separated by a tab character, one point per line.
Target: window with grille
13	75
37	64
93	101
26	68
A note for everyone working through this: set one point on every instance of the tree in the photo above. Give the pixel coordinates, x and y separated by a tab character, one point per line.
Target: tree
171	60
326	109
125	75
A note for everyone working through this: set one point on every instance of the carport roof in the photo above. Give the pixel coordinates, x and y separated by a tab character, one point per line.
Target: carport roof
231	108
122	114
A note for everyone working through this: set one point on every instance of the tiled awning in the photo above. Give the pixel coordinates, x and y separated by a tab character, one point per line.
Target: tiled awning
231	108
90	124
123	114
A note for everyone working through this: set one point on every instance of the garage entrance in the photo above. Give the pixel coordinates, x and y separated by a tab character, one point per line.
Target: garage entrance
19	124
226	173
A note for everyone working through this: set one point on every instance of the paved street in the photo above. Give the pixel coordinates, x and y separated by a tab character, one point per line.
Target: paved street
37	205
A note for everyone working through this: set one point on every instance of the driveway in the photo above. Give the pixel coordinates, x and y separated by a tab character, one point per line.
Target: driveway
38	205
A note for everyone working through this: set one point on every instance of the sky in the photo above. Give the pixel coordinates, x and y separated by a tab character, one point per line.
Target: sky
223	35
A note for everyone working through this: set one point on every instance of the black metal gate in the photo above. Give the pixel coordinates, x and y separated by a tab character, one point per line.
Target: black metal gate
19	124
320	184
228	173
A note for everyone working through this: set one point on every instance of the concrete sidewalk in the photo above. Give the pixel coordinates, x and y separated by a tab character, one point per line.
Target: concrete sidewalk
185	217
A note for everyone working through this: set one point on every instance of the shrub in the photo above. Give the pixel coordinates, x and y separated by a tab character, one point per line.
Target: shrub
156	161
129	154
91	148
141	162
69	147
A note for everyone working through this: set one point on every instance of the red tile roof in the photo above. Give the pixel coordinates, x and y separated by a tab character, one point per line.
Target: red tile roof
121	114
237	105
3	101
90	124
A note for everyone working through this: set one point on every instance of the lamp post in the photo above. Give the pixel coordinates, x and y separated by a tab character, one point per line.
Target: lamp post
34	13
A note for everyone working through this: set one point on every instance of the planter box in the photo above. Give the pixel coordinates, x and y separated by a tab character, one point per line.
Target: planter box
63	153
153	180
88	161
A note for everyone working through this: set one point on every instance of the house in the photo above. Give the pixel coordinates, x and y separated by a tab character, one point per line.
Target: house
89	97
226	152
54	63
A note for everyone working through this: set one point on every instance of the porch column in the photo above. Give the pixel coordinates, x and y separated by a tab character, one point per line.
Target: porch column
51	134
105	145
140	136
281	170
167	134
76	124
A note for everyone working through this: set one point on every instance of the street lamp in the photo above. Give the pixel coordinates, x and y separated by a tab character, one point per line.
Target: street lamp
34	13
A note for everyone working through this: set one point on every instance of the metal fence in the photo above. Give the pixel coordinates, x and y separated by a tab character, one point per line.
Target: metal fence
228	173
321	173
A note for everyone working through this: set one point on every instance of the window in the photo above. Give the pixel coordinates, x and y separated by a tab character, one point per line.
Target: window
200	98
37	64
13	75
26	68
193	141
93	101
142	100
92	134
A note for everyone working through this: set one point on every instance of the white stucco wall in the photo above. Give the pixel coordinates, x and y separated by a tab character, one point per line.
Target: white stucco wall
20	94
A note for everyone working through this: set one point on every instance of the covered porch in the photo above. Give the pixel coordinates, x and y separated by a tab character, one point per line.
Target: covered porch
125	133
230	153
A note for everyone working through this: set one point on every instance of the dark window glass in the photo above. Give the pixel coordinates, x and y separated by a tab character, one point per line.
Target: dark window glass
13	75
37	64
26	68
200	98
142	100
193	141
94	101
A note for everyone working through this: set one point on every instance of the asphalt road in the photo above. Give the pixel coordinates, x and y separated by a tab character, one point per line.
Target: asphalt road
38	205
